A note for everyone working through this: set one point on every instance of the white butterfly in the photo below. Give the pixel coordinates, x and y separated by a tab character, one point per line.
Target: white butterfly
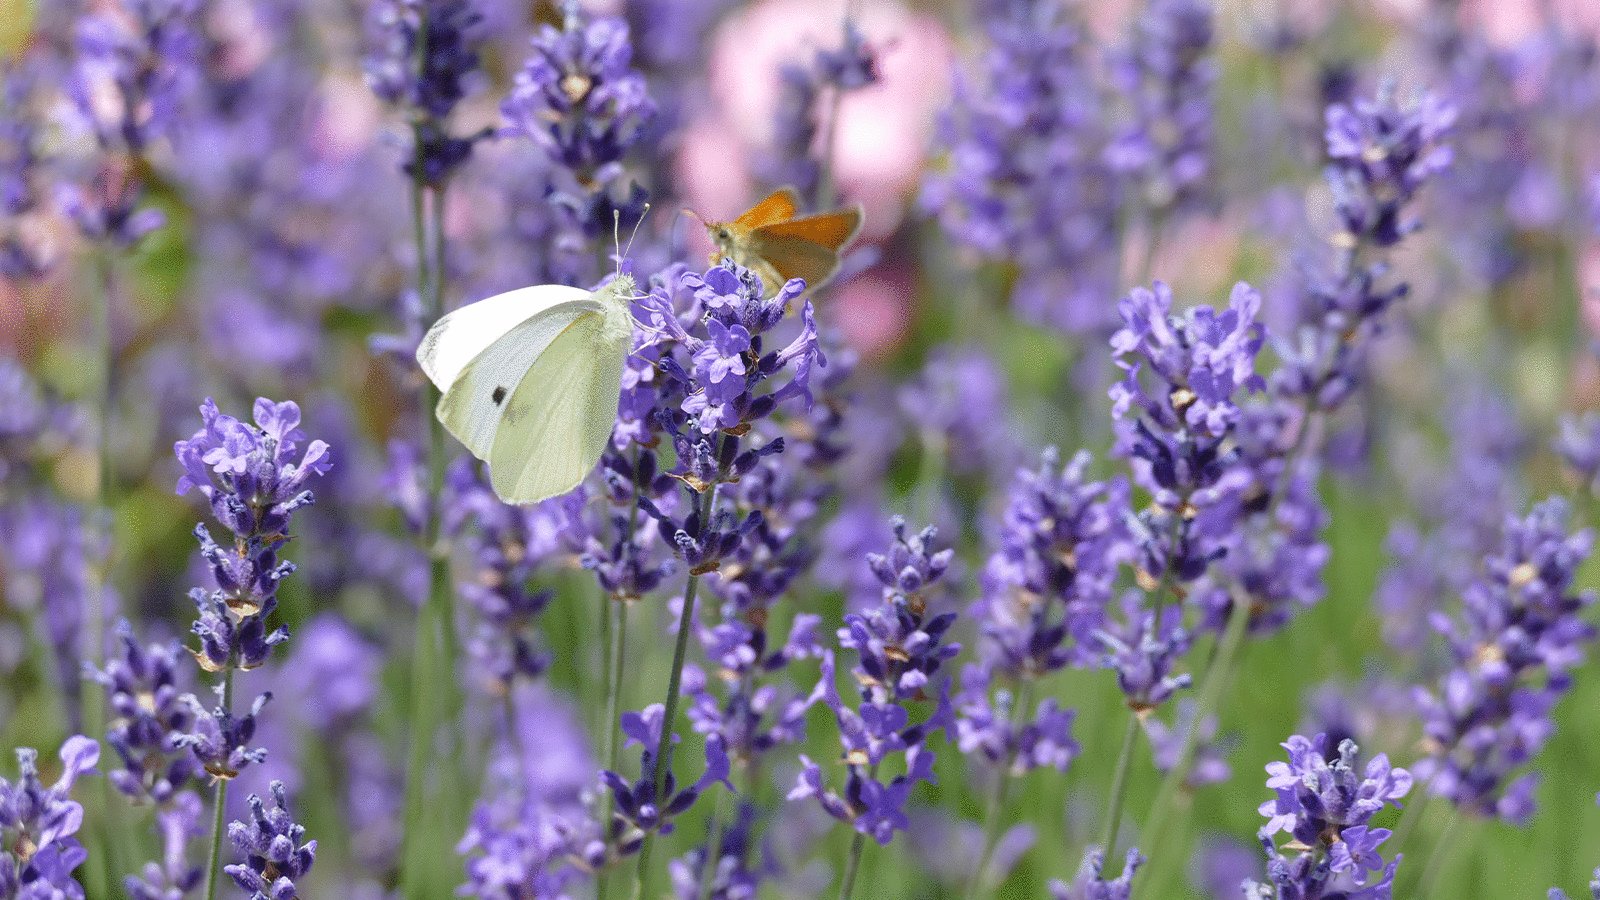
531	380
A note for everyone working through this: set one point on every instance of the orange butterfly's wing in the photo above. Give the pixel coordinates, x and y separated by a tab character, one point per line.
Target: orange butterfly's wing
795	257
830	229
779	206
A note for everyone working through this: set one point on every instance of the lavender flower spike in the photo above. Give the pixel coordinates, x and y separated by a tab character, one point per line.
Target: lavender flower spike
1325	806
270	845
37	849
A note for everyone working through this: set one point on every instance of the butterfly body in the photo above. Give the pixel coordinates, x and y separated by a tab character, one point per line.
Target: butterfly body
771	241
530	381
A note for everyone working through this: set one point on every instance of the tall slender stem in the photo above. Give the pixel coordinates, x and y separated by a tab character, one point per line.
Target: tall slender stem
220	803
675	680
1119	786
858	843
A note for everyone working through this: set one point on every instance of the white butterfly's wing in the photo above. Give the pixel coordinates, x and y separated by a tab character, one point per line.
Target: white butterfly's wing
560	417
473	406
458	338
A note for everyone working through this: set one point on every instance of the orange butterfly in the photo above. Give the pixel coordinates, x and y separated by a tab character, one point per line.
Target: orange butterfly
769	240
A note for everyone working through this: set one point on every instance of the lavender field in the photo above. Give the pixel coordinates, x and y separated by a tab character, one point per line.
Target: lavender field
1185	486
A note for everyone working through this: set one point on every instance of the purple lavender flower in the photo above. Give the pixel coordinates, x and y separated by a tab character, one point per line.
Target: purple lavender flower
37	824
180	822
1178	446
1325	806
639	811
427	52
735	875
1027	177
144	694
960	405
249	475
1381	155
220	740
1579	447
800	114
49	551
584	107
1090	883
900	651
496	537
22	161
533	840
270	844
1515	644
1164	147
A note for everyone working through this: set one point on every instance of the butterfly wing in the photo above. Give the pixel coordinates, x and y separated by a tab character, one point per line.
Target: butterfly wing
558	420
473	406
460	336
808	247
779	206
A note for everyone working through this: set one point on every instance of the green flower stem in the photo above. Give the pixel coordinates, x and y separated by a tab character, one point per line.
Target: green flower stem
1221	672
852	863
1444	850
1119	786
219	803
999	795
675	682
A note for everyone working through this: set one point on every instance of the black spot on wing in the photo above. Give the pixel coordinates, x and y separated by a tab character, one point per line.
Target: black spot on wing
499	396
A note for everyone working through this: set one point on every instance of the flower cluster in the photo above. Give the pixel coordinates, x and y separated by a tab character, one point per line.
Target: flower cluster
801	92
1027	176
1325	806
1045	590
274	857
425	56
1179	445
1090	883
640	810
250	476
900	649
583	106
37	849
1518	638
1164	146
152	718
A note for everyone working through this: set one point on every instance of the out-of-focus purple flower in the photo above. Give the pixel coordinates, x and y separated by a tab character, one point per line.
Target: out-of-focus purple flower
496	538
1164	147
538	837
1027	177
1579	447
134	76
37	824
900	651
583	105
151	718
1325	806
1381	155
734	875
49	552
800	113
333	672
250	476
180	821
270	844
1167	744
959	404
22	163
219	740
426	52
1090	883
1519	636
